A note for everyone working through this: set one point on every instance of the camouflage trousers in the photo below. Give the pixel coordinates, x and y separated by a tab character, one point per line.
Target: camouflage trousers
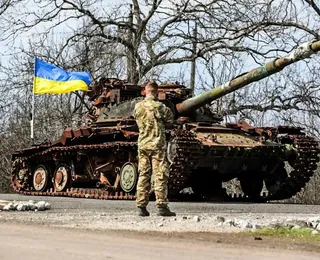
155	164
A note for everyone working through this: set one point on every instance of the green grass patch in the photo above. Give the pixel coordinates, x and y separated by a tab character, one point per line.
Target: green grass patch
285	232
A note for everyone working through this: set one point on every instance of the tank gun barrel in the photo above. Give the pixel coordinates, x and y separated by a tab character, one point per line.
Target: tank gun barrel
303	51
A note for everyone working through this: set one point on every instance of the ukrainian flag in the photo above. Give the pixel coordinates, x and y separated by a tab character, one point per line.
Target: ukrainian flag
50	79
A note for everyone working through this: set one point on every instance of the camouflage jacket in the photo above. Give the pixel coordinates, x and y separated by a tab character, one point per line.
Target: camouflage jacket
151	117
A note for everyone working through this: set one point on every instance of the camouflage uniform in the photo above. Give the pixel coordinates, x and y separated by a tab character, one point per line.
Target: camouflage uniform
151	117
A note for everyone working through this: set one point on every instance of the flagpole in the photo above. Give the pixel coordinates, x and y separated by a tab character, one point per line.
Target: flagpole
32	109
32	119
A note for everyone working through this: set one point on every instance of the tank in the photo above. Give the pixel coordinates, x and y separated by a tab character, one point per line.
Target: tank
99	159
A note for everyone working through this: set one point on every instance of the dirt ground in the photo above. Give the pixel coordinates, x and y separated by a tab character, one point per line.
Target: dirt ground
43	242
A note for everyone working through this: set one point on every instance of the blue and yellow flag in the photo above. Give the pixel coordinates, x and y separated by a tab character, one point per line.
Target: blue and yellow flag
50	79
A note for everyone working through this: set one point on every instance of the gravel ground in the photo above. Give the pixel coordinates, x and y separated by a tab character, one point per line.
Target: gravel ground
191	217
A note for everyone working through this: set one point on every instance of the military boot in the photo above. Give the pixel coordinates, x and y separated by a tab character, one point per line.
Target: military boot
165	212
143	212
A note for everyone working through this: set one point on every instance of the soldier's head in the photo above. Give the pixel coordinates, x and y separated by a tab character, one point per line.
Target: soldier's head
151	89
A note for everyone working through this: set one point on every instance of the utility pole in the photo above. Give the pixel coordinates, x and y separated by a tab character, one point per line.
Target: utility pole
193	63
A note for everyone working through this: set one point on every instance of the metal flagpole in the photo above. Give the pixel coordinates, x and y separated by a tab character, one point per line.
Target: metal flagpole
32	119
32	109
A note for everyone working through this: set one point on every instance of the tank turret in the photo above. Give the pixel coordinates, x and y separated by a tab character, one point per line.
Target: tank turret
114	99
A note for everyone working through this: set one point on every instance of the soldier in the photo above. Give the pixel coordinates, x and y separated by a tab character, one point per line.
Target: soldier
152	116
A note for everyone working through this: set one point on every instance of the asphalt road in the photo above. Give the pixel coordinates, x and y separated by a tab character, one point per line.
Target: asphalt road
28	242
106	229
60	204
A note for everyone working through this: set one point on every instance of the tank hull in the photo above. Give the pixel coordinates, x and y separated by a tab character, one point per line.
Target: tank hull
102	163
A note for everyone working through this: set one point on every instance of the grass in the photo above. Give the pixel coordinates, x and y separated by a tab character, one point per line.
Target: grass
303	234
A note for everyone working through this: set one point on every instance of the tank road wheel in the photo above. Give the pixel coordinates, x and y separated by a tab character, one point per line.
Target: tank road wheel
274	182
20	175
128	177
41	178
62	178
251	187
171	150
207	184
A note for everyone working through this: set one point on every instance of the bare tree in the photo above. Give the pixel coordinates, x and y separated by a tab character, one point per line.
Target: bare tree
53	113
140	39
290	97
157	33
5	5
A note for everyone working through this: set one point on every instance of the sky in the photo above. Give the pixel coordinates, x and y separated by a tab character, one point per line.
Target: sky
62	31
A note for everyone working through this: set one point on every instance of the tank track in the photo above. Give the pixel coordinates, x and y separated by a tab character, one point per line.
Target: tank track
26	188
303	169
186	157
179	170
